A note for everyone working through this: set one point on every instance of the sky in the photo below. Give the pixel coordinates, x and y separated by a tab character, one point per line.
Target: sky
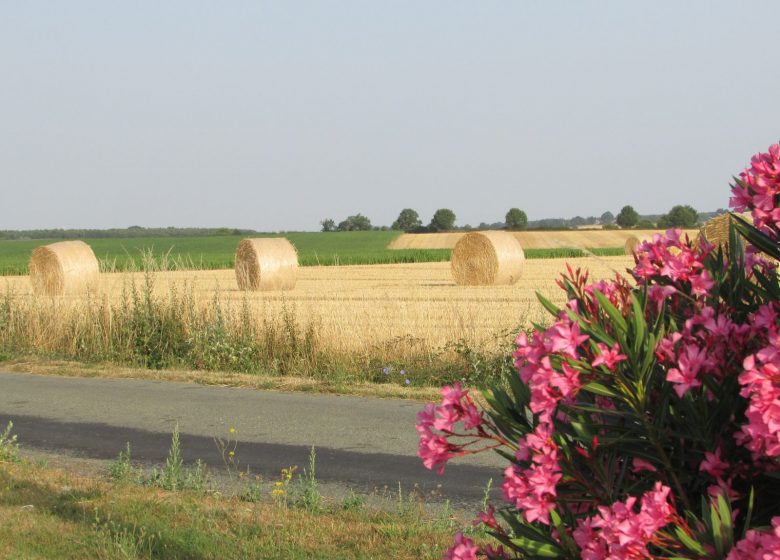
276	115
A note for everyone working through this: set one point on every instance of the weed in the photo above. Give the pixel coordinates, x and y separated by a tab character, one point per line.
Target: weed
280	492
122	469
254	490
353	502
309	497
174	476
9	446
227	450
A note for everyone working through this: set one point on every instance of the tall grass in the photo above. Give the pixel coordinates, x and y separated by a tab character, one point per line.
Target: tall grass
175	329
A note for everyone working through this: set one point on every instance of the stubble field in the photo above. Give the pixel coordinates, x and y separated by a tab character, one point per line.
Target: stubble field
378	309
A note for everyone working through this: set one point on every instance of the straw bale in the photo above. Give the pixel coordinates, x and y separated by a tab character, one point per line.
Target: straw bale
632	242
269	263
716	231
66	267
487	258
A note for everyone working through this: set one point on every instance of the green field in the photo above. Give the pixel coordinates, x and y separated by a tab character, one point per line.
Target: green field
217	252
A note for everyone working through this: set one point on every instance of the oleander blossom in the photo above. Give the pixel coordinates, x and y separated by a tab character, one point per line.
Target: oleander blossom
532	488
462	549
758	190
622	532
673	263
435	424
708	344
549	385
758	545
760	383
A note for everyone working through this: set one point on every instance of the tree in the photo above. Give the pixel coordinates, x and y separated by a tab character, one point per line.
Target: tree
328	225
516	219
577	221
408	220
627	217
607	217
443	220
358	222
679	216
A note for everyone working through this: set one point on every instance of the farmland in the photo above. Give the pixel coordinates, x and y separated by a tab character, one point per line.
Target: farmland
218	252
351	322
314	249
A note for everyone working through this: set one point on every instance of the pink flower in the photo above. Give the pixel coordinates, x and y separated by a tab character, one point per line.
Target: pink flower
463	549
533	488
713	465
608	357
639	465
691	361
565	337
758	545
487	518
760	382
757	190
435	450
620	532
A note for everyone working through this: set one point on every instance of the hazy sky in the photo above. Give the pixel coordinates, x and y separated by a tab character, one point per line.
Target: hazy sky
275	115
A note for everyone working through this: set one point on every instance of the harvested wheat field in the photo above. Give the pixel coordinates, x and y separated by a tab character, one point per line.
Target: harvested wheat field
571	239
362	308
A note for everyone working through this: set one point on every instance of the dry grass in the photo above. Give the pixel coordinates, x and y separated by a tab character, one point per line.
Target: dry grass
358	309
579	239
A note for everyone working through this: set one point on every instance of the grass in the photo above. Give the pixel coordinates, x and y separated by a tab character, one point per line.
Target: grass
218	252
53	513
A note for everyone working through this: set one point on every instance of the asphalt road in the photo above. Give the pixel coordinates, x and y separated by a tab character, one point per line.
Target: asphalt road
361	443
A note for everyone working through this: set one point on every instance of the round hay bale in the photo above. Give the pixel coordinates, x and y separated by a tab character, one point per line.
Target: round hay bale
269	263
632	242
66	267
716	231
487	258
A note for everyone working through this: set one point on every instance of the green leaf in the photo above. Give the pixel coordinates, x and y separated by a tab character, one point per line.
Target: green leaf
688	542
755	237
548	305
537	548
615	316
599	389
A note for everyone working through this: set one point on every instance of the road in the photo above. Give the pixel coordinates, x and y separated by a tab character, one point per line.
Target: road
361	443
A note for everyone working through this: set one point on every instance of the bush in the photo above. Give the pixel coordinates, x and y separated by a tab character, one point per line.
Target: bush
645	421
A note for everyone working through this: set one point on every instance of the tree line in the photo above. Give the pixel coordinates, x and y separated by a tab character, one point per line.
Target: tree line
516	220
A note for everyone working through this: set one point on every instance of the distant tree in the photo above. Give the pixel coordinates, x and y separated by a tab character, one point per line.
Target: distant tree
607	217
577	221
516	219
328	225
627	217
408	220
443	220
644	223
358	222
679	216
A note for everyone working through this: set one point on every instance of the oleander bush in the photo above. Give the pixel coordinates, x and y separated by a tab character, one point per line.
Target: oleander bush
644	422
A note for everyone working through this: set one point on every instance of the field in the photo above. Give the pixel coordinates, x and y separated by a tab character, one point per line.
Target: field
217	252
339	321
314	249
587	239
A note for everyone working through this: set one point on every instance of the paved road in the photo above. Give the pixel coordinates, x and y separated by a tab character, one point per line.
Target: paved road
361	443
